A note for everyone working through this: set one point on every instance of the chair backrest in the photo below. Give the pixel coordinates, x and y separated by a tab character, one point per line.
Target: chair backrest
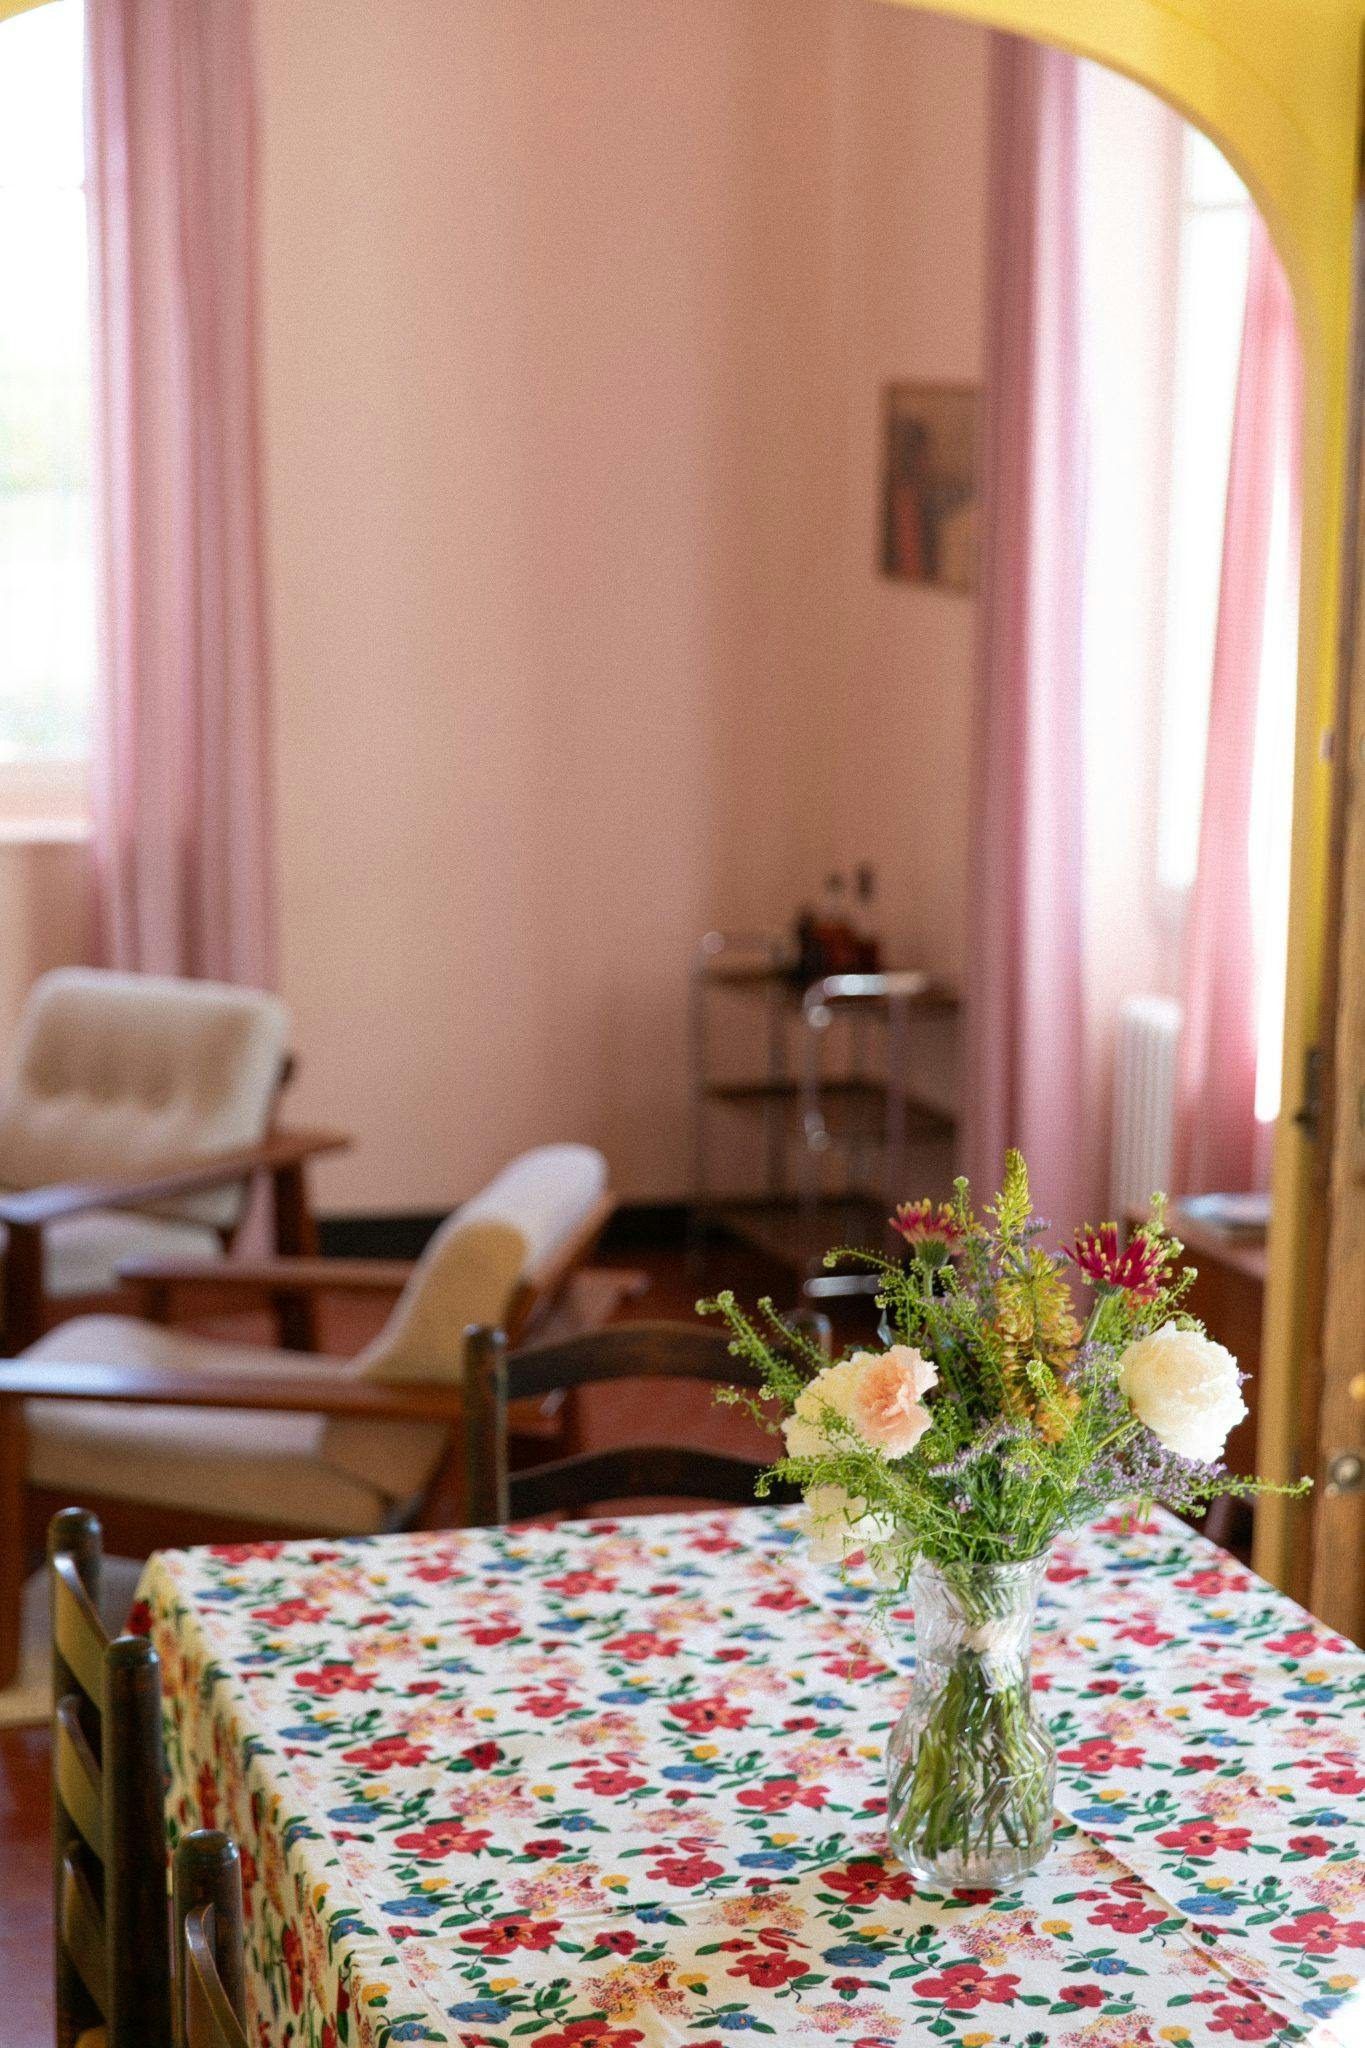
115	1076
494	1376
492	1260
108	1817
210	1970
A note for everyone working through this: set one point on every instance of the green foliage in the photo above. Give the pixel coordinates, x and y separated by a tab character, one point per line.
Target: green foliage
1027	1430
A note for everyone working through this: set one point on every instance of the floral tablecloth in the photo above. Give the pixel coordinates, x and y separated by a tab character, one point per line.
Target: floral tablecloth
618	1785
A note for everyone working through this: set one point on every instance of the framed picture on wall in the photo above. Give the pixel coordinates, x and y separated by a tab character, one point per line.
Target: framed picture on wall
929	484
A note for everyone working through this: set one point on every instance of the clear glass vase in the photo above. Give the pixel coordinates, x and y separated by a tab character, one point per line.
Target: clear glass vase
970	1766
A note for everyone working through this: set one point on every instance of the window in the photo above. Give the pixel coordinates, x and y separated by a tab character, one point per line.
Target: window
47	608
1215	234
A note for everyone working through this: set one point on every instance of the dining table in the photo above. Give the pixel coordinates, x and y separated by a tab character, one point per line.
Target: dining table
618	1783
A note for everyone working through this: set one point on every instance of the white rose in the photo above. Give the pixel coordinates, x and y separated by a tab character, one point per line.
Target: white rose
1185	1388
838	1526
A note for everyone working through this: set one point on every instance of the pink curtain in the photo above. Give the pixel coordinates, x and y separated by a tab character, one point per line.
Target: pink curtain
182	811
1217	1145
1025	1044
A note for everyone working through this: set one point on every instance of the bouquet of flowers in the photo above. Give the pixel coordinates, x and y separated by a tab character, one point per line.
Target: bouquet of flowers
993	1419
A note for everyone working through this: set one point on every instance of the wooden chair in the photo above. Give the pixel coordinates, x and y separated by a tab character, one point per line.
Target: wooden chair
136	1113
210	1987
495	1377
113	1977
175	1438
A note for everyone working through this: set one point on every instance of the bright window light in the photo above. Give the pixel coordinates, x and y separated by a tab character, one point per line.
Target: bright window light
1215	232
47	632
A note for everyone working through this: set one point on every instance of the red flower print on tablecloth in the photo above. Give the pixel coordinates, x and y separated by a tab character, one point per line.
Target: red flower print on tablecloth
1339	1778
609	1781
482	1755
443	1838
244	1553
1204	1838
293	1963
488	1634
1239	1704
207	1792
864	1880
617	1941
1200	1760
590	2034
1309	1845
639	1644
776	1795
1098	1753
1126	1916
547	1706
1306	1642
1244	2022
1082	1994
700	1717
573	1585
289	1613
963	1986
766	1971
511	1931
782	1600
1320	1933
387	1753
329	1678
684	1871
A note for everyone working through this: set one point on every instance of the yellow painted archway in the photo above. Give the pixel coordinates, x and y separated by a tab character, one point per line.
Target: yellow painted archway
1276	83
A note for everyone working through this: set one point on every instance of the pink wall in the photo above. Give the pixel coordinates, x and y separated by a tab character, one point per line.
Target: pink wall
575	317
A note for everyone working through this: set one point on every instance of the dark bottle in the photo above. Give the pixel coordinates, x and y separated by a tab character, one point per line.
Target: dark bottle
866	938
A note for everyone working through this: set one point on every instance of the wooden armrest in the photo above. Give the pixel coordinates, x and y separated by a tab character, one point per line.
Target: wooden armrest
544	1283
272	1276
40	1379
37	1206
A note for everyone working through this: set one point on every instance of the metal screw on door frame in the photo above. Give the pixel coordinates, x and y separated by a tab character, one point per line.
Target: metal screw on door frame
1346	1473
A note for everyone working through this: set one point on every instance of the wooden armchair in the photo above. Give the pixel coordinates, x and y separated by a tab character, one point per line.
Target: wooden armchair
180	1439
135	1116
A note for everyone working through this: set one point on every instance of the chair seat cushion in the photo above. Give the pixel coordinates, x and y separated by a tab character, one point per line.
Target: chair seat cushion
82	1254
245	1463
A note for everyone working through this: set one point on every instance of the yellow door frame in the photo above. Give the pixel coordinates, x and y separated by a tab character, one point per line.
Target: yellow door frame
1276	84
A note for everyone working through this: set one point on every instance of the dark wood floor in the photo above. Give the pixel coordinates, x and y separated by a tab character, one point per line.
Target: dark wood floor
678	1413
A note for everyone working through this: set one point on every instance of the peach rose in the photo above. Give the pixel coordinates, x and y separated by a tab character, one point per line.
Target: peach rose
887	1406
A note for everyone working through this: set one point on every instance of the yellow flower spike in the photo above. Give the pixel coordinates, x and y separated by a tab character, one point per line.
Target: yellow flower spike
1216	1884
1281	1791
868	1750
1175	2034
1086	1642
781	1841
1316	1677
1341	1982
616	1882
876	1928
1056	1927
502	1983
1110	1792
704	1750
484	1714
693	1983
431	1642
432	1884
1177	1713
542	1791
976	2040
373	1994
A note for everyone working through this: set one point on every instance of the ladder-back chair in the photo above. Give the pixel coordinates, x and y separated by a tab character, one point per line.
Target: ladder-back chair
210	1971
496	1376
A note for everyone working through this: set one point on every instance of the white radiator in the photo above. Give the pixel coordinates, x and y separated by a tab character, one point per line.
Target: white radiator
1142	1157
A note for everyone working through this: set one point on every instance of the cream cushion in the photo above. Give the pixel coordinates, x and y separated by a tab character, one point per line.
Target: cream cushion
332	1476
239	1462
115	1076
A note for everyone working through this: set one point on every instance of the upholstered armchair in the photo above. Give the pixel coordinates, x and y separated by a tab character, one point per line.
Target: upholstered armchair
174	1438
135	1114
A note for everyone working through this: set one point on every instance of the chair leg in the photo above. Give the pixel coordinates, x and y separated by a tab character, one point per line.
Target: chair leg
296	1236
23	1316
13	1547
